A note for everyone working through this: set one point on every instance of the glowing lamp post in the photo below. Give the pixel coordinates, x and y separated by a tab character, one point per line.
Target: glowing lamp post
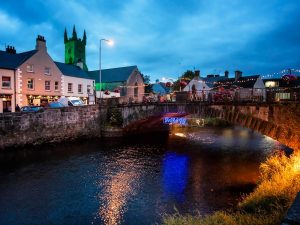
111	43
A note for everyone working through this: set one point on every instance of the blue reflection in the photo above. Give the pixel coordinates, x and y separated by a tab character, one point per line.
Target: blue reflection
175	175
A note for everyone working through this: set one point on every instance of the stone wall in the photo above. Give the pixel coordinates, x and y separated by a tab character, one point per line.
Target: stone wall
52	125
280	122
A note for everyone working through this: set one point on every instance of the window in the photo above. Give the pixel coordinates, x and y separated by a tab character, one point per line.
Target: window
56	85
136	90
6	82
30	68
282	96
47	71
70	88
47	85
271	84
79	88
88	89
30	84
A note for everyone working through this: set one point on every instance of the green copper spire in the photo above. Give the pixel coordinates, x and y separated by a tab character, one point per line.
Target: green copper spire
84	38
74	35
66	36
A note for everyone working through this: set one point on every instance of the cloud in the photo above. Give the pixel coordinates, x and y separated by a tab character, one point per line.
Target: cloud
165	38
8	23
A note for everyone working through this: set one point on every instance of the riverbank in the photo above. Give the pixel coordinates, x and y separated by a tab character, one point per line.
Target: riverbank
267	205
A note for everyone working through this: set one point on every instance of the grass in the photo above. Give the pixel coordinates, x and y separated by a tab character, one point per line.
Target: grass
278	186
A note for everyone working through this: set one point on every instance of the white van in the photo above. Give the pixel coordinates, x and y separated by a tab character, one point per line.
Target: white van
71	101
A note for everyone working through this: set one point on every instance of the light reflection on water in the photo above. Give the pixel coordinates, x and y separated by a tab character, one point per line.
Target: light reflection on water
132	181
175	175
119	186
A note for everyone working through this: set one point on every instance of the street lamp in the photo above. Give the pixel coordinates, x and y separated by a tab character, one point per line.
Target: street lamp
109	42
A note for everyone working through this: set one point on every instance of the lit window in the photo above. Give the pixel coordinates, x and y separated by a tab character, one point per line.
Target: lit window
271	84
6	82
30	68
47	85
30	84
136	90
79	88
70	88
56	85
282	96
47	71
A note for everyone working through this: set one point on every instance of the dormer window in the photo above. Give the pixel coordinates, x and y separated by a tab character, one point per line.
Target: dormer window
47	71
30	68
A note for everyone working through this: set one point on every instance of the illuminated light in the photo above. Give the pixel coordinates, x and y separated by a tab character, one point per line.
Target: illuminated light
174	120
180	134
110	42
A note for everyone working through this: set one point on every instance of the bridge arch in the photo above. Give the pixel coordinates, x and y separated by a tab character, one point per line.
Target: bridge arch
280	122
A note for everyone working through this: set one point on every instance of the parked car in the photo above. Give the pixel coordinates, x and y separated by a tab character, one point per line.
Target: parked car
32	109
71	101
55	105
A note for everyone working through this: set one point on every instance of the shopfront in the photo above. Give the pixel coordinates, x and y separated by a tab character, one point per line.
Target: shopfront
41	100
6	103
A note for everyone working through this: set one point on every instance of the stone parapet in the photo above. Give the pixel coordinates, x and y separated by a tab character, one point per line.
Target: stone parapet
52	125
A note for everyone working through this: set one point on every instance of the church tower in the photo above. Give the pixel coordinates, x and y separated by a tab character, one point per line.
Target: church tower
75	49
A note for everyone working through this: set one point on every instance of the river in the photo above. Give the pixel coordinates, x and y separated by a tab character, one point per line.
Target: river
131	181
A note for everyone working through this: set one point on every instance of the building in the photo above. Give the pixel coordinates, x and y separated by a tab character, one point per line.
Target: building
28	78
76	82
8	64
197	85
75	49
127	81
279	89
39	80
160	88
248	88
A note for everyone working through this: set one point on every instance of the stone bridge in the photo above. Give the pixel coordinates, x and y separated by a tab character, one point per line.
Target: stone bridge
278	121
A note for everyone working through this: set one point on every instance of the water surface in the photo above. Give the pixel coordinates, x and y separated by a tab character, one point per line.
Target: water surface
130	181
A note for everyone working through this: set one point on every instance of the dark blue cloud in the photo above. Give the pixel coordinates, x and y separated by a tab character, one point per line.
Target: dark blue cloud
164	38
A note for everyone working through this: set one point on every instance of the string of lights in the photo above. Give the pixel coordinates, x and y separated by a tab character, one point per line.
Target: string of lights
244	79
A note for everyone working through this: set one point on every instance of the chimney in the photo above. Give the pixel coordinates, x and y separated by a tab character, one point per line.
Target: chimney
238	74
226	73
79	63
197	73
40	43
10	49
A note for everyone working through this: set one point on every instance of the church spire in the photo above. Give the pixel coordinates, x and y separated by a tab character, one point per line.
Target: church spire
66	36
84	38
74	35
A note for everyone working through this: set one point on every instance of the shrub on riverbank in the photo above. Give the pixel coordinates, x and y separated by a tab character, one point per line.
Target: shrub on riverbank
278	185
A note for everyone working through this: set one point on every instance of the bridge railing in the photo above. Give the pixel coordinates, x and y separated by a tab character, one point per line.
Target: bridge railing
244	95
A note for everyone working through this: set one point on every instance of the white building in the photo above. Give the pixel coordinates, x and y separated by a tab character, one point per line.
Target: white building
76	83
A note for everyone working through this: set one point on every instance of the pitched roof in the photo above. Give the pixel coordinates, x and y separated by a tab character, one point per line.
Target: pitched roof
210	81
72	70
119	74
12	61
244	82
160	87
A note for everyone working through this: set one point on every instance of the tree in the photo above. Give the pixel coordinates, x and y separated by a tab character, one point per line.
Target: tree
188	75
185	77
148	86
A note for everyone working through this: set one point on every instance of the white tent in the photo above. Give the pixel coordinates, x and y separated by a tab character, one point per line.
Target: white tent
199	85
